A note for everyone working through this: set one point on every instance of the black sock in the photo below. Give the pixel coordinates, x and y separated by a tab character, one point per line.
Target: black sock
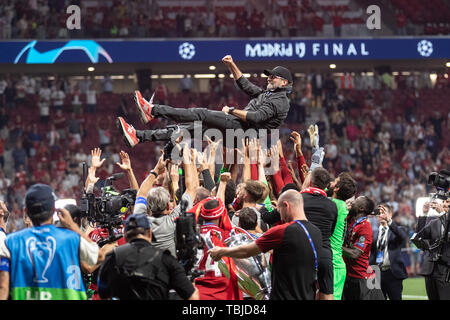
139	135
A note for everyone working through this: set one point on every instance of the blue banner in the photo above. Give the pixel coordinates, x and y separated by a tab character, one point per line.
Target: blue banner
125	51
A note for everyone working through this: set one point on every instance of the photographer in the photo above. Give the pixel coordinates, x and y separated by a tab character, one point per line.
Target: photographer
386	253
139	271
430	237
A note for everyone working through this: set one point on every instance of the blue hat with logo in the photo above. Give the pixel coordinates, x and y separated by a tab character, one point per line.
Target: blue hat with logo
40	198
138	220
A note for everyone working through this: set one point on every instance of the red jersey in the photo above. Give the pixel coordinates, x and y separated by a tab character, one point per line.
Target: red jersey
359	235
214	285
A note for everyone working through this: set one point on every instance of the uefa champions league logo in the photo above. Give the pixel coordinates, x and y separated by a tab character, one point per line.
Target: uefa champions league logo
187	50
425	48
41	255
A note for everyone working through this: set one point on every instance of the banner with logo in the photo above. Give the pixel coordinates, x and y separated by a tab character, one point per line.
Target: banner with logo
124	51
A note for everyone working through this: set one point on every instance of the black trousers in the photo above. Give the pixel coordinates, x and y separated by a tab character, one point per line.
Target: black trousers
436	286
211	119
391	286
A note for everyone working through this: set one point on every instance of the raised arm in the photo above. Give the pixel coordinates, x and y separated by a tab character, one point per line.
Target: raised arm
126	166
243	83
141	198
224	178
212	146
95	164
190	171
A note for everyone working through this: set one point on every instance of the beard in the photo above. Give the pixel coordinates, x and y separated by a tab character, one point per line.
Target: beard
272	86
352	212
330	192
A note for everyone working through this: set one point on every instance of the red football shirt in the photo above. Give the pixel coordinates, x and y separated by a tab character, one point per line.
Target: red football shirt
361	238
214	285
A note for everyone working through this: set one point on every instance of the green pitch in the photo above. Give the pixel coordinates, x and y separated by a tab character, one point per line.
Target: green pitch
414	289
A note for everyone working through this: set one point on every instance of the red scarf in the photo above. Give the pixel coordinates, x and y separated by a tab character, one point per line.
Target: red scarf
312	190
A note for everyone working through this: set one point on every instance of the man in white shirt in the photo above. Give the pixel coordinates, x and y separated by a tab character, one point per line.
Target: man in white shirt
91	99
58	97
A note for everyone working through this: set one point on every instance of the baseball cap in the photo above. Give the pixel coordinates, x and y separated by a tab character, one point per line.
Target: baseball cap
138	220
39	198
281	72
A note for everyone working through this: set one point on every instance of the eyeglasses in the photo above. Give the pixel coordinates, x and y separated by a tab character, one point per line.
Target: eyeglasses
275	77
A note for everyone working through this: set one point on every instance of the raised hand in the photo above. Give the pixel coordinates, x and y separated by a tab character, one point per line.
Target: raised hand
280	148
228	59
91	178
225	177
95	161
253	150
161	165
297	140
203	161
126	162
174	174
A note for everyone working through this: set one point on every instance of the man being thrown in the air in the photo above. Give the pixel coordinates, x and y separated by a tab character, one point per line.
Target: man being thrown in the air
267	109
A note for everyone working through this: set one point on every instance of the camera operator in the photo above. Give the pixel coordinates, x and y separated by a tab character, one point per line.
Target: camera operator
386	253
139	271
356	252
430	237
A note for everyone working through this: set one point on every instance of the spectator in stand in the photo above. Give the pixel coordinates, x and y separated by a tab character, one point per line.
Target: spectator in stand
401	23
10	95
44	110
91	98
60	123
107	84
75	128
19	155
161	93
58	97
337	23
20	92
277	24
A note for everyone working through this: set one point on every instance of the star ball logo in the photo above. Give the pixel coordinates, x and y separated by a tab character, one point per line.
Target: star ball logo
187	50
425	48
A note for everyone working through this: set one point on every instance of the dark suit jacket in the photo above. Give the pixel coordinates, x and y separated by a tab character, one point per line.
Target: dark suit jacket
430	229
397	236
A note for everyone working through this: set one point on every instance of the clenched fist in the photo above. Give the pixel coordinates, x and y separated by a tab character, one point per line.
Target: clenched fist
227	59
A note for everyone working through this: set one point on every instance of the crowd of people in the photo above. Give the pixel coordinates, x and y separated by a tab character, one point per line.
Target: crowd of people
44	19
388	157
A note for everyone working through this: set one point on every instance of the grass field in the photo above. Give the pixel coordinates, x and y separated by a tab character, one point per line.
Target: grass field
414	289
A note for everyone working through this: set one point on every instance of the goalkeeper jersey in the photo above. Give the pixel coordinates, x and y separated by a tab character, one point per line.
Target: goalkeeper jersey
337	238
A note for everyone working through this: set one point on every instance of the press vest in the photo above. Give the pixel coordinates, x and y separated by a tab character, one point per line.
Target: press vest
45	264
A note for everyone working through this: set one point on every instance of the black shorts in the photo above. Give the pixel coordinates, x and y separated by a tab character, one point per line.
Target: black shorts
325	276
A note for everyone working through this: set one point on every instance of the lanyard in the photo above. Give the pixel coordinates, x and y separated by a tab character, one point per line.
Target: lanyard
312	246
360	220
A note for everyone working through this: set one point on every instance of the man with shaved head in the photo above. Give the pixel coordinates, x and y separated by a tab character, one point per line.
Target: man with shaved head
295	246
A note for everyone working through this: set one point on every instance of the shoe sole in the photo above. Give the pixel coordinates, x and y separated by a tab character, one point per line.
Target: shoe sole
124	134
141	112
